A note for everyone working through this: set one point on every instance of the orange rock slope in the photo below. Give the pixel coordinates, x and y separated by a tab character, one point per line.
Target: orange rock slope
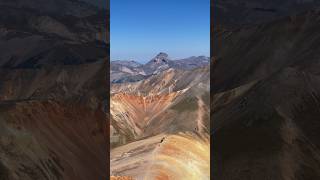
165	130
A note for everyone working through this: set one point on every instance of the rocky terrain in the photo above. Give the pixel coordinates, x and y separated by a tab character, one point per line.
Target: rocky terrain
53	90
131	71
126	71
265	96
232	13
155	119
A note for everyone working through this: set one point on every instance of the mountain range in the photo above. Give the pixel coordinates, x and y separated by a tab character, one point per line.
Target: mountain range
131	71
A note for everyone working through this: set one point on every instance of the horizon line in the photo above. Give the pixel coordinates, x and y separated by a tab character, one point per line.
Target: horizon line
171	58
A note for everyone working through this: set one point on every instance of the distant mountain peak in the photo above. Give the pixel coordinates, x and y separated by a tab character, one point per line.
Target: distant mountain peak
162	54
161	58
131	71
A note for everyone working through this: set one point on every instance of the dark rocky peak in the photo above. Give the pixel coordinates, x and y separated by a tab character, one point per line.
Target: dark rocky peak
158	63
161	58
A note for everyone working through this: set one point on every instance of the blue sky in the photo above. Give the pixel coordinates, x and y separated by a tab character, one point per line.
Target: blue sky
139	29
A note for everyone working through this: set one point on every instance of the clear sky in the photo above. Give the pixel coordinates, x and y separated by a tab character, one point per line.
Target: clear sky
140	29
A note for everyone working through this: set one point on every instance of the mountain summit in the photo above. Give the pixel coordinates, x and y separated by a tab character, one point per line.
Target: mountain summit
157	64
160	58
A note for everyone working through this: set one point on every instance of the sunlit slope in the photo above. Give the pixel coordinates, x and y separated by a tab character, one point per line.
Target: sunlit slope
165	123
181	157
164	157
171	102
132	113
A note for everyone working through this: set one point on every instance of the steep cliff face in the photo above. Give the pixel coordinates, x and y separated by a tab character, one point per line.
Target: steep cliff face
265	100
52	91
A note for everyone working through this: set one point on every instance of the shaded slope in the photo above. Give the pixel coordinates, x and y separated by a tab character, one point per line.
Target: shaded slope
32	37
232	13
56	127
265	101
52	140
52	90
